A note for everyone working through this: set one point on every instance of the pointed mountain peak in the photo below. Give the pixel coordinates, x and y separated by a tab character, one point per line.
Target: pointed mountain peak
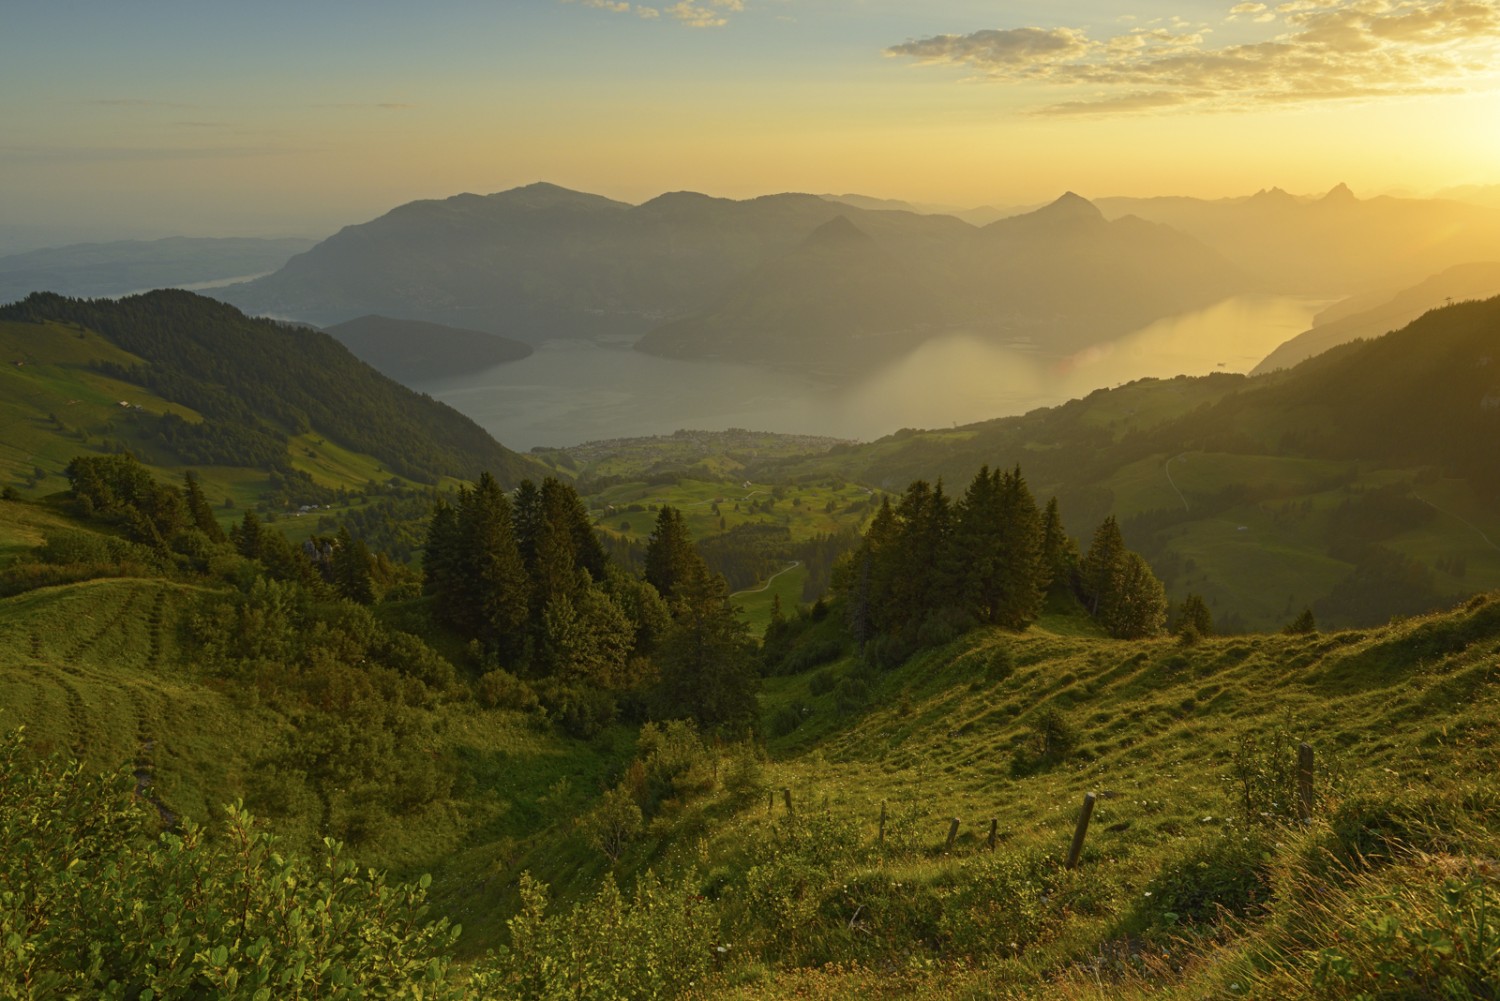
1271	196
838	232
1340	194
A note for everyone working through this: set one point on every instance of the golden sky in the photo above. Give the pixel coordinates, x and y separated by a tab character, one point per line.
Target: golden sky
286	118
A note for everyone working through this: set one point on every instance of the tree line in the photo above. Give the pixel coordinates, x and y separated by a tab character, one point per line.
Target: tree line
929	566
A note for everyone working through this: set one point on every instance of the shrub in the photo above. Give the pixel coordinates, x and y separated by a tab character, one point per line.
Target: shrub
613	823
655	944
822	683
1226	873
1051	737
499	689
787	718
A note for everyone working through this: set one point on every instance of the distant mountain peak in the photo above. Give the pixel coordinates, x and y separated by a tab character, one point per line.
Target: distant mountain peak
1340	194
1070	206
546	195
1272	196
838	232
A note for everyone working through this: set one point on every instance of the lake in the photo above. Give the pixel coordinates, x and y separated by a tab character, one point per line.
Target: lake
571	391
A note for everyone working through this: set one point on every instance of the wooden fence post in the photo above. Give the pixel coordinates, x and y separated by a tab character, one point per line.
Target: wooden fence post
881	836
1304	782
1083	828
786	795
994	832
952	834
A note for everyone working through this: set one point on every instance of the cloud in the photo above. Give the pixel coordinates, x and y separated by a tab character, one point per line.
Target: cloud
1321	50
702	14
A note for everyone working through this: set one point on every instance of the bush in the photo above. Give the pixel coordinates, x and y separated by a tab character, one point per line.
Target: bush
1051	737
851	695
95	907
613	823
1227	873
822	683
499	689
655	944
787	718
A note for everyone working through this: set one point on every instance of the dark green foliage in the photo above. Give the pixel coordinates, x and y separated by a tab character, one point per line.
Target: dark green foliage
1224	874
1051	737
1118	587
119	488
656	942
1193	620
95	907
258	377
1000	544
707	660
1303	625
747	553
1384	583
670	557
199	510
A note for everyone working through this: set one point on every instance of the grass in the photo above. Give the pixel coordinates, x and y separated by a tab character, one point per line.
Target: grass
1402	719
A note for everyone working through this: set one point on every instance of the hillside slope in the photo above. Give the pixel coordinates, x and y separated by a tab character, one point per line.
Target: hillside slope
255	382
1361	482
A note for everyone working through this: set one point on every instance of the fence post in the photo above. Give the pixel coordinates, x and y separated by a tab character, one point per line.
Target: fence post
786	796
881	836
952	834
1304	782
994	832
1082	829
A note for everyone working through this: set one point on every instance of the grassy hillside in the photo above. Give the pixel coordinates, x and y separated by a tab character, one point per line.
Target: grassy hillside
1196	874
250	383
1355	483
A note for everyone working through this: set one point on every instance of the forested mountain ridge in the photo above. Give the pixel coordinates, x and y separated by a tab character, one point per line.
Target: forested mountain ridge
1361	482
255	381
540	261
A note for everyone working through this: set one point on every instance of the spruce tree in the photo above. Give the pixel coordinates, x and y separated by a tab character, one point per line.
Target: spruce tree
670	555
495	579
200	513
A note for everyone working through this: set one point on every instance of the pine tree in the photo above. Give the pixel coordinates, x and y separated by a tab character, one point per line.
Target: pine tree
200	513
1193	614
351	569
670	555
1059	553
497	591
246	536
707	659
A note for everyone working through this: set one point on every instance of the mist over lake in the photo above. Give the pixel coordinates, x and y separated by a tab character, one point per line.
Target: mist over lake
574	390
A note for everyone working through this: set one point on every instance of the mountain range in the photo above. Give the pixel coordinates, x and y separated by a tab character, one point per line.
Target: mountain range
753	280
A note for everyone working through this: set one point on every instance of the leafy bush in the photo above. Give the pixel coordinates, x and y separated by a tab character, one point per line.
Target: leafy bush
1227	873
654	945
93	907
787	718
613	823
822	683
1050	737
499	689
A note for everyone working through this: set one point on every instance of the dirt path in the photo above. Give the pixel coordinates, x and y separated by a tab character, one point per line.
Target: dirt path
757	590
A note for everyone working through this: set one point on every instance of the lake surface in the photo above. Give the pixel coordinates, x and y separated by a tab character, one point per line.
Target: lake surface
571	391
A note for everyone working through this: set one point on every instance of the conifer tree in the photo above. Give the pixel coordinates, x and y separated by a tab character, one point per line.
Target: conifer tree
1193	614
246	536
497	591
670	555
1059	553
200	513
351	569
707	659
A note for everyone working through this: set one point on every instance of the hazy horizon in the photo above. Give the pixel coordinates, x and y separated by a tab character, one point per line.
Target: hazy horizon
280	120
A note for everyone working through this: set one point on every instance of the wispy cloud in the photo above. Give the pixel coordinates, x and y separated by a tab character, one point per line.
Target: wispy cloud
702	14
1318	50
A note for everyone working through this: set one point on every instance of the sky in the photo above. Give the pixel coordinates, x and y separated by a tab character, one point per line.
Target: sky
210	118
